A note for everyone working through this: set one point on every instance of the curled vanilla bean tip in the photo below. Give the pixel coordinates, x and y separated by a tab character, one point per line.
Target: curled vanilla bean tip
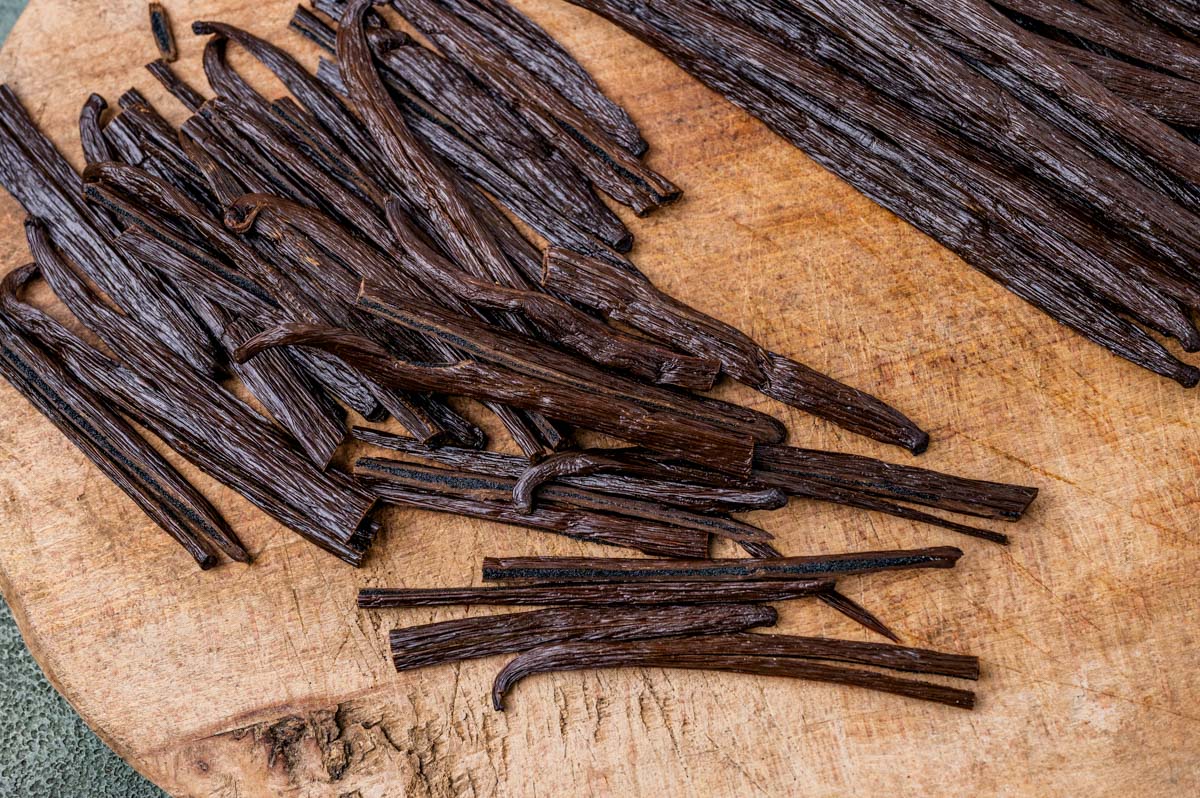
732	656
561	464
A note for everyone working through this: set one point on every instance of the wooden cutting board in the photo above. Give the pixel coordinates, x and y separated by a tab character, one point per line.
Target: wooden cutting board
265	680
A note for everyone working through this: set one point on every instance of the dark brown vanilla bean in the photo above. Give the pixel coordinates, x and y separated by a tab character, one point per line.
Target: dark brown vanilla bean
632	299
931	203
91	135
600	594
535	50
475	485
469	638
1024	53
672	653
611	168
702	498
177	86
1114	31
37	175
562	323
560	570
210	427
880	655
482	138
1107	276
160	29
560	465
916	485
543	362
110	443
650	537
578	404
853	610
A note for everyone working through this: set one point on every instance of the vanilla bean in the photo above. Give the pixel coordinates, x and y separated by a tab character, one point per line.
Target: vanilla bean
600	594
561	570
110	443
739	658
91	135
905	483
702	498
646	536
470	638
177	86
530	46
540	361
632	299
160	29
475	485
611	168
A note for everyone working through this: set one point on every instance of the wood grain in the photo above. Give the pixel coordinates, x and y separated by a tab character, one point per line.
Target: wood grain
267	681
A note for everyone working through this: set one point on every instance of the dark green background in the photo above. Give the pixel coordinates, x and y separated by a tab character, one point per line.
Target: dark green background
46	751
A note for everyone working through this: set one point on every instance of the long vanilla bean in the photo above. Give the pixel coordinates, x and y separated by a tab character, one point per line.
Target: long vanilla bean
632	299
560	570
698	497
475	485
672	653
469	638
599	594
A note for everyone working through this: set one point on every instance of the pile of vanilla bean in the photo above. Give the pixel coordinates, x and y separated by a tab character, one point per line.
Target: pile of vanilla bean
1052	144
692	614
348	248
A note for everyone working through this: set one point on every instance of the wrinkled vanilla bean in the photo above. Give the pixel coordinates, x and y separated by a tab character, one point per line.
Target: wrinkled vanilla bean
739	658
559	570
469	638
599	594
474	485
632	299
702	498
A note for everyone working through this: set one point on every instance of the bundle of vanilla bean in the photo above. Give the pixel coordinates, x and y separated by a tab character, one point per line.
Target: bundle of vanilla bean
692	614
1049	143
347	248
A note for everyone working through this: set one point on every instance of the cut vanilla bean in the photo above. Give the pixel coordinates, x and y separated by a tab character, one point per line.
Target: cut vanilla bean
470	638
474	485
600	594
702	498
854	611
632	299
672	653
880	655
560	570
905	483
160	29
646	536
